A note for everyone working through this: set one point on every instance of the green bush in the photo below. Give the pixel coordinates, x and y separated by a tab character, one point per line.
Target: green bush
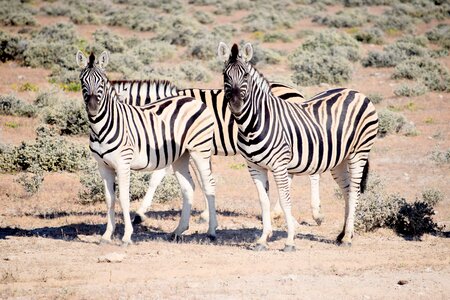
203	17
426	70
395	24
324	57
432	196
11	105
350	3
93	190
411	90
49	152
192	71
15	13
390	122
376	209
265	19
11	47
178	31
375	98
106	40
31	182
345	18
68	116
440	35
154	51
441	157
370	36
395	53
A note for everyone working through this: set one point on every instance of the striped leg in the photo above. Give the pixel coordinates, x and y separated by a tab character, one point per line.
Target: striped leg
277	210
315	198
109	176
123	177
181	170
282	180
356	167
204	216
259	176
155	180
341	175
203	164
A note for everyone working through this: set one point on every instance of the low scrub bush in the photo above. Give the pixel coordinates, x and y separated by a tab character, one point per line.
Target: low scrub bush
351	3
324	58
411	90
375	98
15	13
370	36
93	190
203	17
49	152
106	40
377	209
13	106
346	18
395	53
192	71
68	116
31	182
440	157
154	51
440	35
11	47
265	19
136	18
390	122
178	31
273	37
426	70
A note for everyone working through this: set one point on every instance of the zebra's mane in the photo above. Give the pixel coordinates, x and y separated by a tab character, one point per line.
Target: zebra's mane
164	82
262	80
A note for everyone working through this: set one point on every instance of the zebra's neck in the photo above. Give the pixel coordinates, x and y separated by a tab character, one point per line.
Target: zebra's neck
105	115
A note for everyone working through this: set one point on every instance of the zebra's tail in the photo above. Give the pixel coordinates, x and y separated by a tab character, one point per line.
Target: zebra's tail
363	184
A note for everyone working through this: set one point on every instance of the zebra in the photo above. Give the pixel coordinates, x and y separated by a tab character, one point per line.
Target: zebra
143	92
151	137
334	131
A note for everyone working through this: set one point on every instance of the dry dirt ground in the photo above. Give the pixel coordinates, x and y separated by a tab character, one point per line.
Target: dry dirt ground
49	243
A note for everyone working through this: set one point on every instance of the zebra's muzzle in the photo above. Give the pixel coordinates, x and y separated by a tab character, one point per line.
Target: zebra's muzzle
92	105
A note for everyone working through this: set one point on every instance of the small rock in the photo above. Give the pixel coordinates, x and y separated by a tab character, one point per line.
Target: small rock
111	258
402	282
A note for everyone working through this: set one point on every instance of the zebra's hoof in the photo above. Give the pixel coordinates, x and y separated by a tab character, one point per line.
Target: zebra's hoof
212	238
344	244
289	248
260	247
126	244
176	238
202	220
319	221
137	220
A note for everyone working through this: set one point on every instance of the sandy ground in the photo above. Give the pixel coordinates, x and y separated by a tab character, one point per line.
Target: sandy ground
49	242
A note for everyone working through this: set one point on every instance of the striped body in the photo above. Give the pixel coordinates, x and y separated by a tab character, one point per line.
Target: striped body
151	137
334	131
142	92
139	93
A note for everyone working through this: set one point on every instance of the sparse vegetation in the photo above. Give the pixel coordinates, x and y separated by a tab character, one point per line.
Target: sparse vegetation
440	35
345	18
93	191
324	58
441	157
390	122
411	90
426	70
371	35
49	152
11	105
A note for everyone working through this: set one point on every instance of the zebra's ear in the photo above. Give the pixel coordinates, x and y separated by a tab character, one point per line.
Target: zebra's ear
247	52
82	60
103	59
223	51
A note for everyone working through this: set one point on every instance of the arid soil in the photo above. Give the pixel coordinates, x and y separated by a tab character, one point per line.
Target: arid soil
49	242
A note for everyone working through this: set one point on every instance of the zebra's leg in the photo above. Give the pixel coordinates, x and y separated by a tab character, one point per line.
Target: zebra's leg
315	198
277	210
260	179
203	164
123	176
181	170
356	166
282	180
108	176
204	216
341	175
155	180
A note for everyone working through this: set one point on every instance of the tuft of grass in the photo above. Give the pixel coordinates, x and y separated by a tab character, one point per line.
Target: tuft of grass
440	157
12	124
28	87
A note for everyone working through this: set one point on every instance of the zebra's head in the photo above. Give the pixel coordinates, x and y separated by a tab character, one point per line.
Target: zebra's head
236	74
93	80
